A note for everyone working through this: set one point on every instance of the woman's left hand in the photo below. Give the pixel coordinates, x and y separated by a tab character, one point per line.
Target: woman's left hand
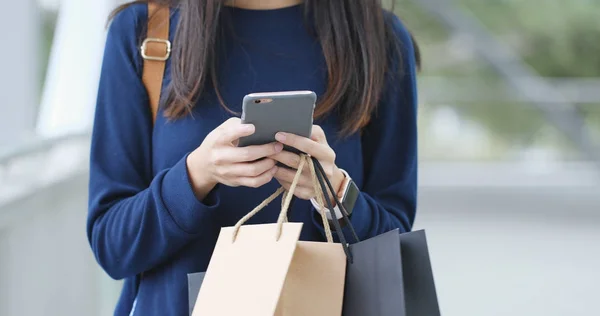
317	147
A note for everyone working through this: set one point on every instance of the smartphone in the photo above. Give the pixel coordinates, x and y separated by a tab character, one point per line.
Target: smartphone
272	112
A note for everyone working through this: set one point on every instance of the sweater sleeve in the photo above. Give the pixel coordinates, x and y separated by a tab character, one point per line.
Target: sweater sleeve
136	221
388	195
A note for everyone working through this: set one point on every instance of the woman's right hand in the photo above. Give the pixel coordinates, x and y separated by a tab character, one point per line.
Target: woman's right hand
219	160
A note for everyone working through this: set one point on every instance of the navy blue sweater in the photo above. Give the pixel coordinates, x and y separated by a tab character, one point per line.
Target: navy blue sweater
143	215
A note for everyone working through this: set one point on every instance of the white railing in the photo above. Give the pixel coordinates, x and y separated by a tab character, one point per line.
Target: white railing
74	67
38	165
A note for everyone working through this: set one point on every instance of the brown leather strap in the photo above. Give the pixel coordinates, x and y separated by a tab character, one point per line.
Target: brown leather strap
156	49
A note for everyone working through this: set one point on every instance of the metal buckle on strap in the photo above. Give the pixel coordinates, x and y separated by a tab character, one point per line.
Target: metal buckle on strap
156	40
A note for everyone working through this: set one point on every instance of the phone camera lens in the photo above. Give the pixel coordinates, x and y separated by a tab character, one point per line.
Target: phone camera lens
257	101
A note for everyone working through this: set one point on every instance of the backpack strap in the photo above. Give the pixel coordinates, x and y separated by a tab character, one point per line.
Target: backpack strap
156	49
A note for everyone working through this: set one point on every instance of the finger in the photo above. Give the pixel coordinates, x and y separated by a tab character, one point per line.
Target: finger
306	145
286	185
248	169
232	130
318	135
250	153
288	175
302	192
256	182
287	158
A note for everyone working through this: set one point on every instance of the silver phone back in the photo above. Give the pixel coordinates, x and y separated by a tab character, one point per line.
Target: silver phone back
290	112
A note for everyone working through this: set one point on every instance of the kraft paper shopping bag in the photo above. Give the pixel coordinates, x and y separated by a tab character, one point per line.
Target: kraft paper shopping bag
263	270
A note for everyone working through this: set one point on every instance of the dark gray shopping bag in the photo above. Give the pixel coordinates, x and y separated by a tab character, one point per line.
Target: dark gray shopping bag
387	275
391	275
194	284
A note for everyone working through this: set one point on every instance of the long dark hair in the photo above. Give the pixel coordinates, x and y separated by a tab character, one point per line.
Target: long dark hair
355	35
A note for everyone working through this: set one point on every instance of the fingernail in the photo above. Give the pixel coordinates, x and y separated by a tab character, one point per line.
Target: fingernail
278	147
280	137
248	127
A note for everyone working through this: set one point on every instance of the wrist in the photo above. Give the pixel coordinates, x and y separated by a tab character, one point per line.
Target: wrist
346	189
201	181
337	181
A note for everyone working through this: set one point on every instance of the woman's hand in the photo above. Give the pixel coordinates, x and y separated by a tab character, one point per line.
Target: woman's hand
317	147
218	160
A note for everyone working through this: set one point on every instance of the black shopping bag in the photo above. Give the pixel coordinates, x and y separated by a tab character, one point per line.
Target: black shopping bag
388	275
391	275
194	284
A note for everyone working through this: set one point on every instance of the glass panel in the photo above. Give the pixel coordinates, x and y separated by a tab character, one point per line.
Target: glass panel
469	112
592	115
490	131
48	14
555	37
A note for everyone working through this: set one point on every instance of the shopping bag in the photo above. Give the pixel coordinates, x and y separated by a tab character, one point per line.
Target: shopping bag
194	284
195	279
388	275
261	270
391	275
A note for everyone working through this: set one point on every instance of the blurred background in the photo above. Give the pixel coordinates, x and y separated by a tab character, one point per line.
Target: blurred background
509	148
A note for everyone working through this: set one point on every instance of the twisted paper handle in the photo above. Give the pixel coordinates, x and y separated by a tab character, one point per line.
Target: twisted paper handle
304	159
287	198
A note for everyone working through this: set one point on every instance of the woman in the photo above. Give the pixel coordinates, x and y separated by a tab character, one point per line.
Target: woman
160	194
